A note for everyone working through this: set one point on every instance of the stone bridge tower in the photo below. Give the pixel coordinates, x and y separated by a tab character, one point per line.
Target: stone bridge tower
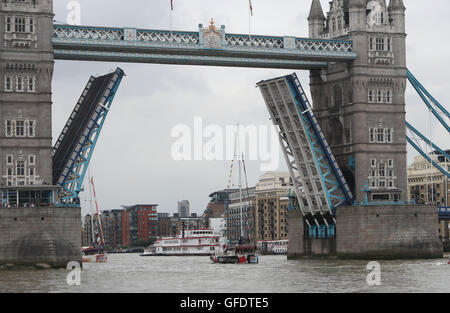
361	105
26	69
32	230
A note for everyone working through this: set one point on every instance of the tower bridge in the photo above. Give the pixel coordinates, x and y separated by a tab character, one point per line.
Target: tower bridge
354	136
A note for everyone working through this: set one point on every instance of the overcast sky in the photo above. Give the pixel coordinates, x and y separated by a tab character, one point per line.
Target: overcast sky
132	162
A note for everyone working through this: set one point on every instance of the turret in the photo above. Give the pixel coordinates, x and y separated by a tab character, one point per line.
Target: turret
357	14
397	10
316	20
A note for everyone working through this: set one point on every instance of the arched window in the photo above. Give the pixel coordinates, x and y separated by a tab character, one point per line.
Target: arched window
337	95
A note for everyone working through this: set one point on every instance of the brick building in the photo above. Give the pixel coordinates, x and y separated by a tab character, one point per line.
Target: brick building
139	222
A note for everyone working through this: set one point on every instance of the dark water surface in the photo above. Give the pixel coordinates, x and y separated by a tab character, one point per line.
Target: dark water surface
132	273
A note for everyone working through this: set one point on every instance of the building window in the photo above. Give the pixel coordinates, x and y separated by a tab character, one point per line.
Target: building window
380	135
373	163
31	84
19	86
388	96
31	25
379	96
19	25
380	44
371	96
8	83
348	131
390	163
380	18
337	95
388	135
382	170
20	129
20	168
8	24
9	160
31	171
389	44
8	128
31	128
31	160
372	132
371	47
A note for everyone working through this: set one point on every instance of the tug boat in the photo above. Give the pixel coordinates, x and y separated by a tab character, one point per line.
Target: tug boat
241	254
192	242
94	255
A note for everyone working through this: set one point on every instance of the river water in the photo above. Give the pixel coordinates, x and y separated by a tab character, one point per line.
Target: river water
275	274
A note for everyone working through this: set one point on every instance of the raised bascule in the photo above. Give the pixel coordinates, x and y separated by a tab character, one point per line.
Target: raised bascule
346	153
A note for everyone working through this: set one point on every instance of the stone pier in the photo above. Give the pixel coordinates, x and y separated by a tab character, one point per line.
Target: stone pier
372	232
39	237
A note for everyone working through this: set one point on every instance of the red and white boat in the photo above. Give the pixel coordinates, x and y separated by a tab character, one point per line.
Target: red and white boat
192	242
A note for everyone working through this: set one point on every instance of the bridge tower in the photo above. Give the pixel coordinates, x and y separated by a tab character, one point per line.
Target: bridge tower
361	105
26	69
33	230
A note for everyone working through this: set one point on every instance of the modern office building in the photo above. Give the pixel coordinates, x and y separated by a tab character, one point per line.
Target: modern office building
218	203
183	208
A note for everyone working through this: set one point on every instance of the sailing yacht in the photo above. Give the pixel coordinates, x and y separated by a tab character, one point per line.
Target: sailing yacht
98	257
240	253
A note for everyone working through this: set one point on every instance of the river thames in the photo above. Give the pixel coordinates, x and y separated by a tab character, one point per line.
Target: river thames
274	274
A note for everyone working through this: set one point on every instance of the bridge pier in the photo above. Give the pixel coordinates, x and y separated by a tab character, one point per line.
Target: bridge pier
444	234
371	232
40	237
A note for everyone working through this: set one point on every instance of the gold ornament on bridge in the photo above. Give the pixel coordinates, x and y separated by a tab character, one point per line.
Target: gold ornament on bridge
212	37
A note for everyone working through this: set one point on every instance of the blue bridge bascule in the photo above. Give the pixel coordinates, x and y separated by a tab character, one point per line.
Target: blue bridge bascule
319	183
75	146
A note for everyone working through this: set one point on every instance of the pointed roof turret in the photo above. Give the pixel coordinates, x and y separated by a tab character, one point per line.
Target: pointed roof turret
396	4
316	11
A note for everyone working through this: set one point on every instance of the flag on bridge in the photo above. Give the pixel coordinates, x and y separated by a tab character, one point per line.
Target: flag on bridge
251	7
171	5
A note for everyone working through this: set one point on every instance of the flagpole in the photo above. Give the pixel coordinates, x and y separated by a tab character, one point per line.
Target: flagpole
171	21
250	21
171	24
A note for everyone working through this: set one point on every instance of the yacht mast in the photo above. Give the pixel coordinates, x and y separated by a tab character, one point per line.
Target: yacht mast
90	207
240	179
